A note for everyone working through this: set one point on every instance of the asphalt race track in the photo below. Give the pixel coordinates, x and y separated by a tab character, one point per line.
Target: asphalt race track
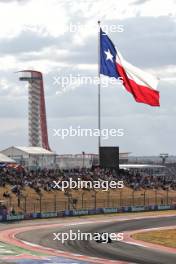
114	251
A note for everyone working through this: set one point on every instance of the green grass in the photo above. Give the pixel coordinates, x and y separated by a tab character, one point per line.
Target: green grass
161	237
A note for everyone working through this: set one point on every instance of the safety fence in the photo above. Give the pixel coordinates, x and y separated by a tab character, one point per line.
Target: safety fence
40	205
55	204
26	204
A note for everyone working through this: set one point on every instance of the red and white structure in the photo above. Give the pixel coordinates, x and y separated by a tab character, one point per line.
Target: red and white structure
38	133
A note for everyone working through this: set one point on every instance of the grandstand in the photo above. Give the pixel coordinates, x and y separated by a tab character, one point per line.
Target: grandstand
31	191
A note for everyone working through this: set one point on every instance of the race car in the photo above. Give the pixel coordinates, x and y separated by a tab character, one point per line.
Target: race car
102	238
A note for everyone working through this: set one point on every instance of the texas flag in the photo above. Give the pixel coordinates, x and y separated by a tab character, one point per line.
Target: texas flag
142	85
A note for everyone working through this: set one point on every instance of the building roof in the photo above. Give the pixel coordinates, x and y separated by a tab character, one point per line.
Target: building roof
140	166
35	150
5	159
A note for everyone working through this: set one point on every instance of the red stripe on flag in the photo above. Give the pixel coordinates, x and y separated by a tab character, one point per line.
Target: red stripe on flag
142	94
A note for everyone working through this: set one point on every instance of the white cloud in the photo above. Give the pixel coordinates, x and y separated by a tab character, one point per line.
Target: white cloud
4	84
52	17
166	73
11	125
14	64
10	89
43	17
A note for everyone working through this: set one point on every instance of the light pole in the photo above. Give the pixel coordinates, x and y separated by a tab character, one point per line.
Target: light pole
164	156
83	159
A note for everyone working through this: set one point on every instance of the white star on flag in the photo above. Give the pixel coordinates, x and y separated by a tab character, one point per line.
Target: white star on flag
109	56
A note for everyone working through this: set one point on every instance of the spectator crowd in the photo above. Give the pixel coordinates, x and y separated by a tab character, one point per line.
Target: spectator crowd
43	179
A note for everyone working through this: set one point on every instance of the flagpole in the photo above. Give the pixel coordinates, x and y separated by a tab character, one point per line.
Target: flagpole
99	93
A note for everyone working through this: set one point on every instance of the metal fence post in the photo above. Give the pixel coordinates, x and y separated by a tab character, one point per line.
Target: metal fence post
82	200
25	204
10	200
156	200
19	202
133	196
144	196
120	197
55	203
95	199
167	196
40	203
68	202
108	198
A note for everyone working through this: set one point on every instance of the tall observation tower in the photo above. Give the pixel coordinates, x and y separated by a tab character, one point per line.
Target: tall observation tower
37	124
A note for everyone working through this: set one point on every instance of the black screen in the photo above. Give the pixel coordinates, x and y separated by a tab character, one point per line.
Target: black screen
109	157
